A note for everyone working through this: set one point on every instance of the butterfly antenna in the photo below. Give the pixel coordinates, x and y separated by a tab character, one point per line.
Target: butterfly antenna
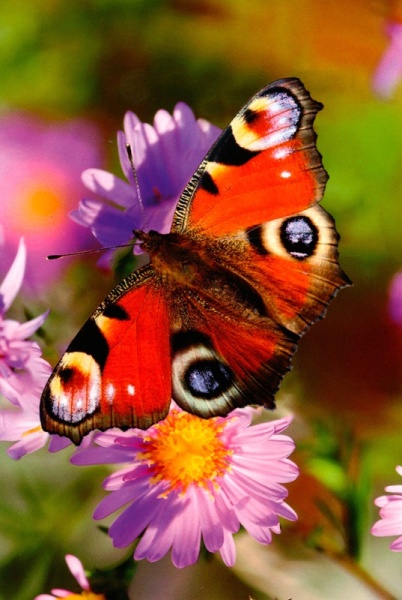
56	256
137	184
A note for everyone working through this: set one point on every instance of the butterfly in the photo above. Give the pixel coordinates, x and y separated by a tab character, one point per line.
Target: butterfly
213	320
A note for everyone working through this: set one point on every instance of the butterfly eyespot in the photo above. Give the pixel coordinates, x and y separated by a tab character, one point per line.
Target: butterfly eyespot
306	236
299	236
250	116
66	375
271	118
202	382
208	378
75	391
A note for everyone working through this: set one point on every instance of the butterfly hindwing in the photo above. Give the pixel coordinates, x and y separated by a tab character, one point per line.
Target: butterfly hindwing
224	361
116	371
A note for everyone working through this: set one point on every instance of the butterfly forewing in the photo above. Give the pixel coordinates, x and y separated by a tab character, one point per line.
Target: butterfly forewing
264	166
116	372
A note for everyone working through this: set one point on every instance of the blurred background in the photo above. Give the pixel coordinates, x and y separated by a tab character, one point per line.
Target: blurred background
69	72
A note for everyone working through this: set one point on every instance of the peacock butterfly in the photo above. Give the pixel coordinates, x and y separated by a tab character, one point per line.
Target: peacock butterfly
213	320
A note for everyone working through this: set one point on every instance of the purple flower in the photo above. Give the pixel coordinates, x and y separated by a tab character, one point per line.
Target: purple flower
40	168
389	71
188	478
165	157
390	522
23	372
77	570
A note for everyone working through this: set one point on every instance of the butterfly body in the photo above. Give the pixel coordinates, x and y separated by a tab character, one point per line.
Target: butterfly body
214	318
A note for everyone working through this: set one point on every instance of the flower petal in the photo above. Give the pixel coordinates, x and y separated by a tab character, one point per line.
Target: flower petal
396	545
58	442
77	570
25	330
116	500
27	445
211	526
131	523
228	550
187	534
111	187
13	280
159	535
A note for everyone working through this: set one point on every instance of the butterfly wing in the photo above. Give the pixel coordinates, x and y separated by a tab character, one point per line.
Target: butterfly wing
254	201
264	166
116	372
222	360
262	182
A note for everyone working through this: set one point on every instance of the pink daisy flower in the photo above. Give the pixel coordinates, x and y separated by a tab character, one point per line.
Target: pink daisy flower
390	522
165	156
23	372
19	357
389	71
77	570
188	478
20	422
40	168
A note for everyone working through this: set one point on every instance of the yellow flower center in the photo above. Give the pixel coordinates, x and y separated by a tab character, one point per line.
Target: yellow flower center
41	201
43	204
186	450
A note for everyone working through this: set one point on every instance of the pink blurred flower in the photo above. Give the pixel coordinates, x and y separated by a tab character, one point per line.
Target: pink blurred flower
23	372
395	298
40	168
77	570
389	71
390	522
188	478
165	157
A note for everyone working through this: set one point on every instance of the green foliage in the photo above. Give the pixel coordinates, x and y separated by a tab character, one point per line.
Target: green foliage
337	460
114	582
43	516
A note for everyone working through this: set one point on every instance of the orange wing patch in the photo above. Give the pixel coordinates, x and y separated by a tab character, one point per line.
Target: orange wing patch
263	189
137	371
